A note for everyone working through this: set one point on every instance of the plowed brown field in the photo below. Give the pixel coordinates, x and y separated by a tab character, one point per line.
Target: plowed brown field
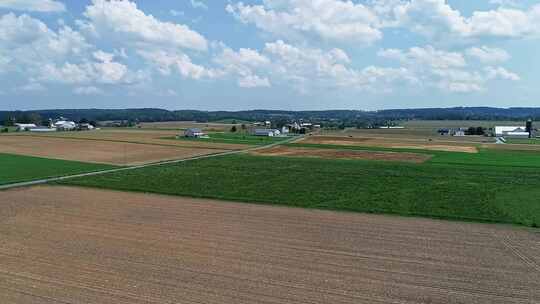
391	143
343	154
72	245
105	152
155	137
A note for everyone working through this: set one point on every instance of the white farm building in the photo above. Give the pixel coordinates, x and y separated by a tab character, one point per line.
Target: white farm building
25	127
64	125
266	132
511	131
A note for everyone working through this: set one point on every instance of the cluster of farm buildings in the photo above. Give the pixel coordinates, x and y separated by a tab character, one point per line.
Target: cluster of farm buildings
60	124
526	131
263	129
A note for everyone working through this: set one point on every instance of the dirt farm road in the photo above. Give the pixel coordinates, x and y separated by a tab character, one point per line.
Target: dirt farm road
60	178
77	245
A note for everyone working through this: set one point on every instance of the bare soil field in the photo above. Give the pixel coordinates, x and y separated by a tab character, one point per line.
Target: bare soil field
402	143
218	127
155	137
411	134
73	245
105	152
343	154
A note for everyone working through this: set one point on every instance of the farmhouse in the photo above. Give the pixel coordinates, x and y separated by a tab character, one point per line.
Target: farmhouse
266	132
194	133
512	131
459	132
64	125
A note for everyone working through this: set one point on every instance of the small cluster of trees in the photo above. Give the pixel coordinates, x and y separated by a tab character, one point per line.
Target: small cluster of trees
234	129
475	131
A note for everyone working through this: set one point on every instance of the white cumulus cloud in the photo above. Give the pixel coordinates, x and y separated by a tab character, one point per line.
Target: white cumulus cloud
333	20
123	20
488	55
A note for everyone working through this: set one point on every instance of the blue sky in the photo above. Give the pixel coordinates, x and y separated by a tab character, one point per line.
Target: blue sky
268	54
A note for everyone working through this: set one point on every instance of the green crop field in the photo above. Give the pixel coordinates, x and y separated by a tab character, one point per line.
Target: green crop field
232	121
449	188
484	157
236	138
18	168
523	141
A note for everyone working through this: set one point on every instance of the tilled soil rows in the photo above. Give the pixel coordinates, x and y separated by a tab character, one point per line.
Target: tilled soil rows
154	137
75	245
106	152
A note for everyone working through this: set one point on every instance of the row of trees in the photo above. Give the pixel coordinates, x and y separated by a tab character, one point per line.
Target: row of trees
475	131
332	118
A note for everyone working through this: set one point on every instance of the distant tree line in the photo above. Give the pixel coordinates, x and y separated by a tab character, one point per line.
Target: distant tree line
330	118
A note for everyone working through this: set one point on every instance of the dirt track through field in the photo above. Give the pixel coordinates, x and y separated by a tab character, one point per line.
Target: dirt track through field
105	152
73	245
343	154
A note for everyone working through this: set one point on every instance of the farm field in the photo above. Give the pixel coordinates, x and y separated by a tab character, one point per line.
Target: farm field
384	142
73	245
294	151
17	168
234	138
96	151
182	125
459	186
519	141
483	156
138	136
408	133
436	124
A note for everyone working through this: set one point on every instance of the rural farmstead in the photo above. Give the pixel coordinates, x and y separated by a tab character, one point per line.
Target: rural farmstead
269	152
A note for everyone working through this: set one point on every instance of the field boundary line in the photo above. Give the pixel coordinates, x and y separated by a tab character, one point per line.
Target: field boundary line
176	161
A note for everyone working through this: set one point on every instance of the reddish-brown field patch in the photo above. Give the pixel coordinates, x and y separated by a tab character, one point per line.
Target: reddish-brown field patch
343	154
72	245
392	143
106	152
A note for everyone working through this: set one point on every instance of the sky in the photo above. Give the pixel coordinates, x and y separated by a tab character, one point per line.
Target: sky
269	54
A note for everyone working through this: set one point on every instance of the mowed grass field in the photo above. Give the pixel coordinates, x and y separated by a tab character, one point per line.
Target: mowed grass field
491	186
18	168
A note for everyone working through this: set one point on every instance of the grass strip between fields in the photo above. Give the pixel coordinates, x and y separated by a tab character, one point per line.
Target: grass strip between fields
19	168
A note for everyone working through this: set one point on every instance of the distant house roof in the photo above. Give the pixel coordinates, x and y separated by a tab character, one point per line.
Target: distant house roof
501	130
194	130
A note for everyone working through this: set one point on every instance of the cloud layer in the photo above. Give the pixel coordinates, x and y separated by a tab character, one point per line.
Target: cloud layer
307	46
